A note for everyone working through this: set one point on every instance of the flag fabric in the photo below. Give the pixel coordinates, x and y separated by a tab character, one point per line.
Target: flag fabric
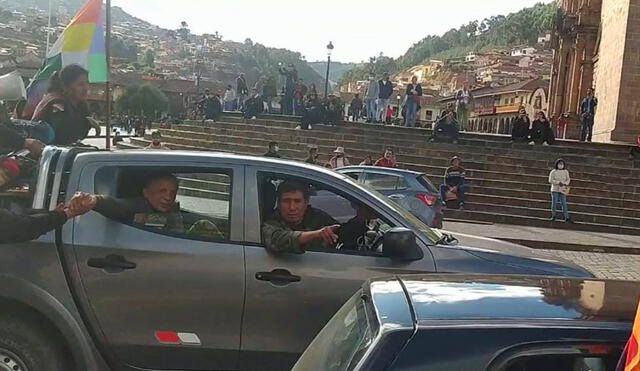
630	360
82	42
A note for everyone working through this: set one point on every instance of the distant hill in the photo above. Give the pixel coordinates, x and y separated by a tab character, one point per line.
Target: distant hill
515	29
337	69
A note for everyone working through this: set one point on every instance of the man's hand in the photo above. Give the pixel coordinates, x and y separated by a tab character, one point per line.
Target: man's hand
34	146
328	234
82	203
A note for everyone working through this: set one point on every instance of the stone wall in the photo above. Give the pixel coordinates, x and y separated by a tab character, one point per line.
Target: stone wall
618	73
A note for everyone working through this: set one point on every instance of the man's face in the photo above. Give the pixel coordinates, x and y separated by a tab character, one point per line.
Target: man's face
455	163
161	195
388	155
292	206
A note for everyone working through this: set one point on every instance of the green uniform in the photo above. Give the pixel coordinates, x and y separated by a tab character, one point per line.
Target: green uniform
278	236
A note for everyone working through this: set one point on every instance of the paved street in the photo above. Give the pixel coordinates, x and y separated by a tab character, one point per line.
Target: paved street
613	266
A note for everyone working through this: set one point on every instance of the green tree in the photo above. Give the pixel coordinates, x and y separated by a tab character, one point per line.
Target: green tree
142	99
183	31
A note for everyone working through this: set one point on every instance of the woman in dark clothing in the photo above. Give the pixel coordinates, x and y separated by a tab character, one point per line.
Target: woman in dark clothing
521	128
64	107
541	132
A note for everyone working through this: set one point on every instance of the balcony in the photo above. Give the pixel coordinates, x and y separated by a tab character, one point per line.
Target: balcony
508	108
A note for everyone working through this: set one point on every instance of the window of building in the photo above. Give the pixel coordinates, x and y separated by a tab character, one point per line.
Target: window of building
202	200
429	115
538	103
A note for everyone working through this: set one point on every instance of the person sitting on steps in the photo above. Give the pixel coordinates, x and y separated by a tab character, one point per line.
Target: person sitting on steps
454	183
446	127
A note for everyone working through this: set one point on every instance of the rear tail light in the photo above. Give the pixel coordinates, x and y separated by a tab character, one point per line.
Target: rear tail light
429	200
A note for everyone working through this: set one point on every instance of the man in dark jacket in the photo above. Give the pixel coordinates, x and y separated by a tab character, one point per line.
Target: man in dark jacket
521	128
254	105
16	227
588	111
291	76
273	150
356	107
386	90
446	127
242	90
212	106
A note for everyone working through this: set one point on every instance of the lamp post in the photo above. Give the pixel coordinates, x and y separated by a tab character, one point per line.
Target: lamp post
398	111
326	80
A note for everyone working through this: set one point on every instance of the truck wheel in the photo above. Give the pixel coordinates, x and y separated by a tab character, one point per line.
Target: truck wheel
24	346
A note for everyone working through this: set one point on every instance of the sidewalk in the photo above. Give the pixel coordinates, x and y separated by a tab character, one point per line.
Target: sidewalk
552	239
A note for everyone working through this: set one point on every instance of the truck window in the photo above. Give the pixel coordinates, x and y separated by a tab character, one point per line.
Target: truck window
361	228
343	341
201	209
593	357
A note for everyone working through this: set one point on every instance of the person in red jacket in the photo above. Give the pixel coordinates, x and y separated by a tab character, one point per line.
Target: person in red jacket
388	160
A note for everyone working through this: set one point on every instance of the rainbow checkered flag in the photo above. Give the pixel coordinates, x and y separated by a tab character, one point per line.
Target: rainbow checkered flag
630	359
82	42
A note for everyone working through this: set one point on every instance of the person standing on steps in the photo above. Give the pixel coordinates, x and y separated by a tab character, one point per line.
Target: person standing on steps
464	100
229	99
356	107
560	180
588	111
242	90
371	97
386	90
521	127
413	93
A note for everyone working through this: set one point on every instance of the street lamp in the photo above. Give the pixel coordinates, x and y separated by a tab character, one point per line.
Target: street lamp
398	111
326	80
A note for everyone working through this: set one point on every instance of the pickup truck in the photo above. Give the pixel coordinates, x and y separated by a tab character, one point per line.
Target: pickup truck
99	294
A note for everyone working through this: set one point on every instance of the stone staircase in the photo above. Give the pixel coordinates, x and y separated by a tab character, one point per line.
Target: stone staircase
508	182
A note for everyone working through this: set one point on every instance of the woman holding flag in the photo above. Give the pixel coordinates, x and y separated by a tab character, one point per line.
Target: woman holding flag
65	106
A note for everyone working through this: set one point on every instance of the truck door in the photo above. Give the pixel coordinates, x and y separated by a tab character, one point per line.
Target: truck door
290	297
166	298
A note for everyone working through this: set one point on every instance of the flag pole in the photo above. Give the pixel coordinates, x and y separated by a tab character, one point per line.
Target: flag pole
48	32
107	45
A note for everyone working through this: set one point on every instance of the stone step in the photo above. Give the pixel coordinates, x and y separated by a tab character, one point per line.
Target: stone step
503	208
498	216
486	186
480	198
482	216
590	189
398	130
397	135
507	157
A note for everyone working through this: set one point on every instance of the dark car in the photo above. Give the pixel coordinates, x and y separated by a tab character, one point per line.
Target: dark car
473	322
412	190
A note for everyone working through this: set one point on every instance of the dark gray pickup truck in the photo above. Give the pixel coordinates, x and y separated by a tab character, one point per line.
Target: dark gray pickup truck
99	294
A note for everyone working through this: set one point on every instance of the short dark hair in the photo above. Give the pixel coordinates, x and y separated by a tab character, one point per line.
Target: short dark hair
160	176
558	161
289	186
273	144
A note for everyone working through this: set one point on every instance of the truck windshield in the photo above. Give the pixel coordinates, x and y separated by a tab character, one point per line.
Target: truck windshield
343	341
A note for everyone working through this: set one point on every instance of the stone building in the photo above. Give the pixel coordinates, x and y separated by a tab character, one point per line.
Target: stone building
597	44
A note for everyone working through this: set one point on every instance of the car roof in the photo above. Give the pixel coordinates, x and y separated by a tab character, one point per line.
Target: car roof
459	297
382	170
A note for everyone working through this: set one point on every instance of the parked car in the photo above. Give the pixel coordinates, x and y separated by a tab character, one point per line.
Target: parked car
208	296
473	322
410	189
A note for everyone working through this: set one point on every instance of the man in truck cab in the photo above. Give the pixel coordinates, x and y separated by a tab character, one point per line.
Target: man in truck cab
297	226
156	208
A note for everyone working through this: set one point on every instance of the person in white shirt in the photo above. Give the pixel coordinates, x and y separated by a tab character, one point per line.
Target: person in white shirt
559	180
339	159
229	99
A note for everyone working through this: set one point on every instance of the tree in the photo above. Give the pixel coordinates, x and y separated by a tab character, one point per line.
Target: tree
144	99
184	32
149	58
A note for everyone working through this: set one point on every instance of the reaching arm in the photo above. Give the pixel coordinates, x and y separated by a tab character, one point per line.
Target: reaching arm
21	228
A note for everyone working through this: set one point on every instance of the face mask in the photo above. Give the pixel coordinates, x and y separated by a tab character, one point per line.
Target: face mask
560	166
276	149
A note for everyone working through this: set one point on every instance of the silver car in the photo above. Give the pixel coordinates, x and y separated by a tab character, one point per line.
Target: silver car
412	190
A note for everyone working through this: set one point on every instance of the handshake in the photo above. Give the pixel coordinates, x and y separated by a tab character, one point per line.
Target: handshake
81	203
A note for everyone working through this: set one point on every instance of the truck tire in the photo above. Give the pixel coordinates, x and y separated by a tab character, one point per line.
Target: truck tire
26	346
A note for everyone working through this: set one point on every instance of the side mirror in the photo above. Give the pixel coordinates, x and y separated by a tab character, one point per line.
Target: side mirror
400	244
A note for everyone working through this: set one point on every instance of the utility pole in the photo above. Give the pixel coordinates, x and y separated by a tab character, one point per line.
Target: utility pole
107	47
326	80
